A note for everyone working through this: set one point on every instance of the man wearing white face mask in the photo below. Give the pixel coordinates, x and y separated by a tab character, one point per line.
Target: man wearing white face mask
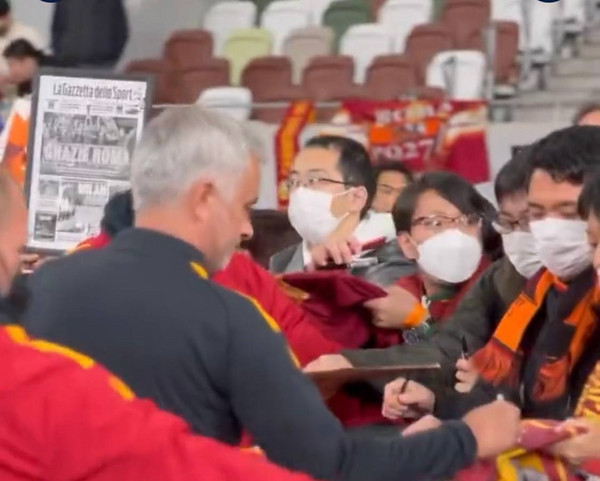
536	355
332	185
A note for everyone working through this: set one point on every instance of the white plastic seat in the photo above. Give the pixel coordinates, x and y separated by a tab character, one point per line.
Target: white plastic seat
223	18
573	15
281	18
401	16
460	72
364	43
234	101
542	17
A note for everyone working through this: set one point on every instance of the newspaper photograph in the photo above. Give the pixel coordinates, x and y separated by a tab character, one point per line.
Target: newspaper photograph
84	131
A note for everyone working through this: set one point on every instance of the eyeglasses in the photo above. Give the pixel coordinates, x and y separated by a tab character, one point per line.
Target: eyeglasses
505	226
315	183
441	222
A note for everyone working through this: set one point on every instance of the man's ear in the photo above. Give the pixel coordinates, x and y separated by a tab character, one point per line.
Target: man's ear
408	246
199	199
358	199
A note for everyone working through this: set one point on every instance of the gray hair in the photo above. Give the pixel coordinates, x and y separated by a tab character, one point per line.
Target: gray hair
185	144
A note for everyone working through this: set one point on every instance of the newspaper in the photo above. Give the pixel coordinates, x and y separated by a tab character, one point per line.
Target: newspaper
85	131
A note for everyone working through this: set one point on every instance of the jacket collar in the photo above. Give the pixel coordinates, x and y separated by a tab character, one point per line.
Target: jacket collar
157	245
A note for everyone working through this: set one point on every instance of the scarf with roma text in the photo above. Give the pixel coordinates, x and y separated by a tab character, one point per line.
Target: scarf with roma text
570	321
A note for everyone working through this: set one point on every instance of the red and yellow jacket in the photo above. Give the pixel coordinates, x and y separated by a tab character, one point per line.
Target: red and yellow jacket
65	418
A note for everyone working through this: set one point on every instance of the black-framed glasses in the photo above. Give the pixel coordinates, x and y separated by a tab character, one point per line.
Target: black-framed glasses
505	226
313	183
442	222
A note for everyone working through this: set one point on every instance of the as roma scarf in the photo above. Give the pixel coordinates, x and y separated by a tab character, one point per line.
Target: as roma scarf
561	346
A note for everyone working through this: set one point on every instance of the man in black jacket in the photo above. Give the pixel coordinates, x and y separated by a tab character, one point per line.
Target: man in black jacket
90	33
143	306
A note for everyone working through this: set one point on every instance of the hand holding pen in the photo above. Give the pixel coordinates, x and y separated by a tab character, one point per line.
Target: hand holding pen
466	374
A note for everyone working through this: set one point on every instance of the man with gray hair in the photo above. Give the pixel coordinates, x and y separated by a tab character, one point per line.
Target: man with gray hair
144	307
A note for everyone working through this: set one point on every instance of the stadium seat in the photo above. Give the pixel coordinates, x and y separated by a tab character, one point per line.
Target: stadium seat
214	72
424	42
304	44
281	18
464	17
234	101
188	48
270	80
461	73
541	40
389	77
164	80
243	46
573	15
364	43
401	16
510	11
506	65
224	18
317	9
342	15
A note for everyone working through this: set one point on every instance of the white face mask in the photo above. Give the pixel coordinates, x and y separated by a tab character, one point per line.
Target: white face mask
562	246
520	249
310	214
451	256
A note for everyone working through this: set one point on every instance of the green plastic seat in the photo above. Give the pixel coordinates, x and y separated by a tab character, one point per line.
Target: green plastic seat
342	15
243	46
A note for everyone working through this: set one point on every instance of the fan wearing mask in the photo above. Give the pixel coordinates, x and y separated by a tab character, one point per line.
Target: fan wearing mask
584	450
332	185
478	313
438	219
536	356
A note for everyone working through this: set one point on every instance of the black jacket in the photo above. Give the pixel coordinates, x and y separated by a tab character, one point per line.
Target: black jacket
392	266
141	308
476	317
89	32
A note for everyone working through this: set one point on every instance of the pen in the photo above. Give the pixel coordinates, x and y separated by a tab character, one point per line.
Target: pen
404	385
465	348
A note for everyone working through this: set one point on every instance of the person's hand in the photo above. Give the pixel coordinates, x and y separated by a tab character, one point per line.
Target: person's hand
582	447
327	362
392	311
414	402
495	427
466	375
426	423
338	251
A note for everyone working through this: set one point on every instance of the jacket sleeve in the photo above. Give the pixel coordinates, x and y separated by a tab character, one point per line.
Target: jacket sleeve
304	337
475	318
99	432
285	415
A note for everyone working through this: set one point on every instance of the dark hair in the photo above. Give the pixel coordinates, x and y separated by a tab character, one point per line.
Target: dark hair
4	8
354	163
393	166
272	233
118	213
447	185
584	110
514	175
22	48
458	192
568	155
589	200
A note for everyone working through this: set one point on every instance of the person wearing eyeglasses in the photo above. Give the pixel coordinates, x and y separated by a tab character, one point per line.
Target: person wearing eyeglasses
331	189
392	179
479	311
438	219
